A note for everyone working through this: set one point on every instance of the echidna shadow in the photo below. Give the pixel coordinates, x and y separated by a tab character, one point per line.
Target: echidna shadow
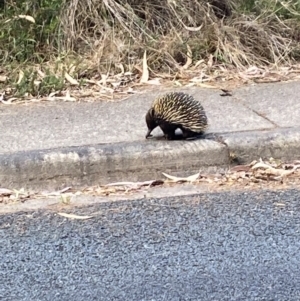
177	110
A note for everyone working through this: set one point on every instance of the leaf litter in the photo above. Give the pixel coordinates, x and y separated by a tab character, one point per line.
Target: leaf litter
259	172
111	87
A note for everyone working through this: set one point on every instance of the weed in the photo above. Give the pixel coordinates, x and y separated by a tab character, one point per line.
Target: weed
32	82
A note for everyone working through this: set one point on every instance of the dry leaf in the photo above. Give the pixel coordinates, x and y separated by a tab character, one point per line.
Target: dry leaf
268	170
145	74
202	85
116	84
193	28
238	168
4	191
3	78
72	68
127	186
175	179
53	93
8	101
26	17
210	61
56	193
199	63
279	204
68	97
91	81
21	75
189	57
253	70
135	184
74	216
71	80
260	164
154	81
179	19
37	82
103	80
177	83
280	173
41	73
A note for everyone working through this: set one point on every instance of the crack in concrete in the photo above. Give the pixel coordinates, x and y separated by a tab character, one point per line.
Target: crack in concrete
237	99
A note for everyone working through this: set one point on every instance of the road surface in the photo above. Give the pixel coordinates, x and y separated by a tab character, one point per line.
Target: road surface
222	246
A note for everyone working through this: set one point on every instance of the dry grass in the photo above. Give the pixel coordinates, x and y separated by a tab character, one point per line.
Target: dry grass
118	32
180	37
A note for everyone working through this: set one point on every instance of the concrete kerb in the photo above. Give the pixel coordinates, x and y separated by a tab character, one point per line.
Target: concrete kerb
279	143
141	160
105	163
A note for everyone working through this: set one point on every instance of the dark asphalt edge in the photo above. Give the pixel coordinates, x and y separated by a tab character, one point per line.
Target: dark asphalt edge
142	160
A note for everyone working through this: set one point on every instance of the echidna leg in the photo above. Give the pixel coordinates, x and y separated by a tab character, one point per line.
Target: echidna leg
170	136
168	130
189	135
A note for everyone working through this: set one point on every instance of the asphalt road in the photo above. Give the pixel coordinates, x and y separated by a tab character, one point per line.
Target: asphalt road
227	246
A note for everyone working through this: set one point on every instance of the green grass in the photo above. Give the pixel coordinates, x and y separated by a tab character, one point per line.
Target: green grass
25	40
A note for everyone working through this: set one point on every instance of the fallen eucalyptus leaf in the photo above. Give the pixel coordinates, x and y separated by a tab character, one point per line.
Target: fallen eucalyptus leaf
74	216
145	74
175	179
71	80
4	191
26	17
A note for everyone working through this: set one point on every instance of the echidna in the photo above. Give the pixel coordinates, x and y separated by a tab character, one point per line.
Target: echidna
176	110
